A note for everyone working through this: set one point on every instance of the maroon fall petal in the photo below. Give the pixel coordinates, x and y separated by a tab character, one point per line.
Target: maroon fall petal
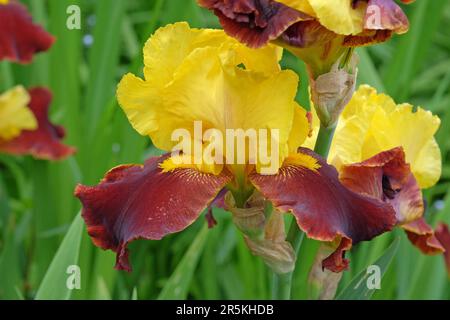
253	22
367	38
443	235
324	208
387	177
423	237
143	202
44	142
306	34
20	38
385	15
337	262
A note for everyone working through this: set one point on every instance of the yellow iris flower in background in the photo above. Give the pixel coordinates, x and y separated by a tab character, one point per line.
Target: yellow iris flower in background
372	123
15	116
389	152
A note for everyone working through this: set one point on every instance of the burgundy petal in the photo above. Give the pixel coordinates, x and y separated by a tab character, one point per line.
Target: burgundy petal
368	37
387	177
253	22
20	38
423	237
306	34
385	15
324	208
134	202
45	141
443	235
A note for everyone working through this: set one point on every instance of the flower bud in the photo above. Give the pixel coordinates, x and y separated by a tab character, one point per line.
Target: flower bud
251	219
332	91
264	236
276	252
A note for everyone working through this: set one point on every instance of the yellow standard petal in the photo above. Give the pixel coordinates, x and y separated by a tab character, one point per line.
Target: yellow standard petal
302	131
373	123
164	55
167	49
15	115
338	16
194	75
299	5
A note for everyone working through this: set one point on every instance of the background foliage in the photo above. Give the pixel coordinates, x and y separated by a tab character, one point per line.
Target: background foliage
37	206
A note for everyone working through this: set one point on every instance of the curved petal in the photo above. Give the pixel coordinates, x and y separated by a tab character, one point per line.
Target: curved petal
387	177
45	141
299	5
253	22
370	125
443	235
20	38
168	48
340	16
423	237
301	129
134	202
385	15
324	208
367	37
15	115
308	34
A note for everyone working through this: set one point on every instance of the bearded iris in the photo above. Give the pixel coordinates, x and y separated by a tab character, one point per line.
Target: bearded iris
203	75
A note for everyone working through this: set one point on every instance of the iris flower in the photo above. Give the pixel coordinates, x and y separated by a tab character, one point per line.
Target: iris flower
204	75
25	128
388	152
322	33
20	38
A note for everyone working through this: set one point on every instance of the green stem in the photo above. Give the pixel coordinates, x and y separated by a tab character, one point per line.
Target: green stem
282	283
281	286
323	143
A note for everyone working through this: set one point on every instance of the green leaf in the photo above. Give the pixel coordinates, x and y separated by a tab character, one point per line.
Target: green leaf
177	286
54	286
357	290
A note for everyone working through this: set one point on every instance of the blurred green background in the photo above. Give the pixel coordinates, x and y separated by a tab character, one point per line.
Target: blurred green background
37	207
